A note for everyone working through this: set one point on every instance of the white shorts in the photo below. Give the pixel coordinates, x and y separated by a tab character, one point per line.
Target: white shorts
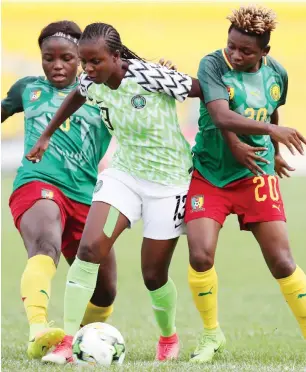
161	207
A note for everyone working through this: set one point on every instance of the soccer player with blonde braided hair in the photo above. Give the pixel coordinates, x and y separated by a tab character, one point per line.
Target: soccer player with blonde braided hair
240	79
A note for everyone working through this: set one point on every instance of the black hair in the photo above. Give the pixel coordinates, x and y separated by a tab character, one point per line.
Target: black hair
111	37
262	39
66	27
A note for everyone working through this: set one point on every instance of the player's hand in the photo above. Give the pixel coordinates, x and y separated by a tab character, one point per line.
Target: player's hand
281	166
36	153
248	156
167	64
289	137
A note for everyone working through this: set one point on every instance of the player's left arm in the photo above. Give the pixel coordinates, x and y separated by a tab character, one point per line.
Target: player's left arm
280	165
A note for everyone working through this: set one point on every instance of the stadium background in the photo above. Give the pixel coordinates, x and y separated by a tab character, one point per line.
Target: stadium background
262	335
182	32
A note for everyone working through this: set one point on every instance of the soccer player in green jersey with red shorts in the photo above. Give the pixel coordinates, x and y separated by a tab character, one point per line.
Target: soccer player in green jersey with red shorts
51	200
240	79
148	177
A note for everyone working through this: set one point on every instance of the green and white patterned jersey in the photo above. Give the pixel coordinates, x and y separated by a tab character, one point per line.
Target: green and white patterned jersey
71	161
254	95
141	114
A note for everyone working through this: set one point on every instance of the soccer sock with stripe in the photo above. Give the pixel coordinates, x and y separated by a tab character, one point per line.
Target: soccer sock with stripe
80	286
294	290
164	307
35	290
204	288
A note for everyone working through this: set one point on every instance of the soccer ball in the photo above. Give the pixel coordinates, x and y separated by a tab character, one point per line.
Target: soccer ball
98	344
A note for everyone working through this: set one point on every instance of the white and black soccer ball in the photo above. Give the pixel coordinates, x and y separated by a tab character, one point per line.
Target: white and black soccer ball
98	344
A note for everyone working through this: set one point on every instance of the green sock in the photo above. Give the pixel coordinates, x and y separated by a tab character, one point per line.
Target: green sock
164	306
80	286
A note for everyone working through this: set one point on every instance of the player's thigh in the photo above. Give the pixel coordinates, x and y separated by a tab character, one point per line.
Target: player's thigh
258	199
156	256
103	226
41	229
274	243
115	207
207	207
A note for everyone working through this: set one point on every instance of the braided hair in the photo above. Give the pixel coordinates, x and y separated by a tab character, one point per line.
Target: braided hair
66	27
254	21
111	37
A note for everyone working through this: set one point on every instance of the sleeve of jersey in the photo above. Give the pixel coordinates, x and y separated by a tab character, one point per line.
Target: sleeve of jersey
210	79
156	78
84	84
13	101
283	97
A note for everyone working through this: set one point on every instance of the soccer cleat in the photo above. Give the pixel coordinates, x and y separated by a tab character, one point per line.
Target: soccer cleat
212	341
168	348
43	341
62	354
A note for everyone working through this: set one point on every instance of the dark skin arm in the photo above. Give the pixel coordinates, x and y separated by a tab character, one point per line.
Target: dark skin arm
224	118
4	115
244	153
281	166
196	90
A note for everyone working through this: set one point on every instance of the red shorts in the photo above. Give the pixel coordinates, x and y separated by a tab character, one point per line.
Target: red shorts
255	199
73	214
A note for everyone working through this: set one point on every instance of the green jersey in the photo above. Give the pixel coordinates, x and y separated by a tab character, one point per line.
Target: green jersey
141	114
71	161
253	95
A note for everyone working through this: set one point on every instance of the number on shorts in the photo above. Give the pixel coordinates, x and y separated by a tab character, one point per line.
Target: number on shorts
179	212
260	182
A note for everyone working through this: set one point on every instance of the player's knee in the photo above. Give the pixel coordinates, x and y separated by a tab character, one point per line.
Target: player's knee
154	280
283	267
201	253
46	246
89	252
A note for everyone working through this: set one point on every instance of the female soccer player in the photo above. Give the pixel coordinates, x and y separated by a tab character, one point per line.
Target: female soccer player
241	79
148	177
51	199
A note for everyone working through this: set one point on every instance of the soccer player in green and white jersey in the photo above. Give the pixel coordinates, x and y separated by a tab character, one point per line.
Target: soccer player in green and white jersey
240	79
148	178
51	200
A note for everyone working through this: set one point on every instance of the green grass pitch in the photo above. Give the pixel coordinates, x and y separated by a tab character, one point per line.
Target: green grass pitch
261	332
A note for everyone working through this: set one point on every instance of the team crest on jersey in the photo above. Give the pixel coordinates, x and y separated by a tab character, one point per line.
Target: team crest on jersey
197	203
35	95
47	194
138	102
275	92
98	186
231	92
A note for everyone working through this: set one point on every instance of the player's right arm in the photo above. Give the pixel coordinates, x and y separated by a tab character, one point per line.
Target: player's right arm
12	103
216	99
70	105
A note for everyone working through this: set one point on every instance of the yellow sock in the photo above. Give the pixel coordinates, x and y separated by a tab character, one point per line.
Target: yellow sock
294	290
36	287
204	288
95	313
